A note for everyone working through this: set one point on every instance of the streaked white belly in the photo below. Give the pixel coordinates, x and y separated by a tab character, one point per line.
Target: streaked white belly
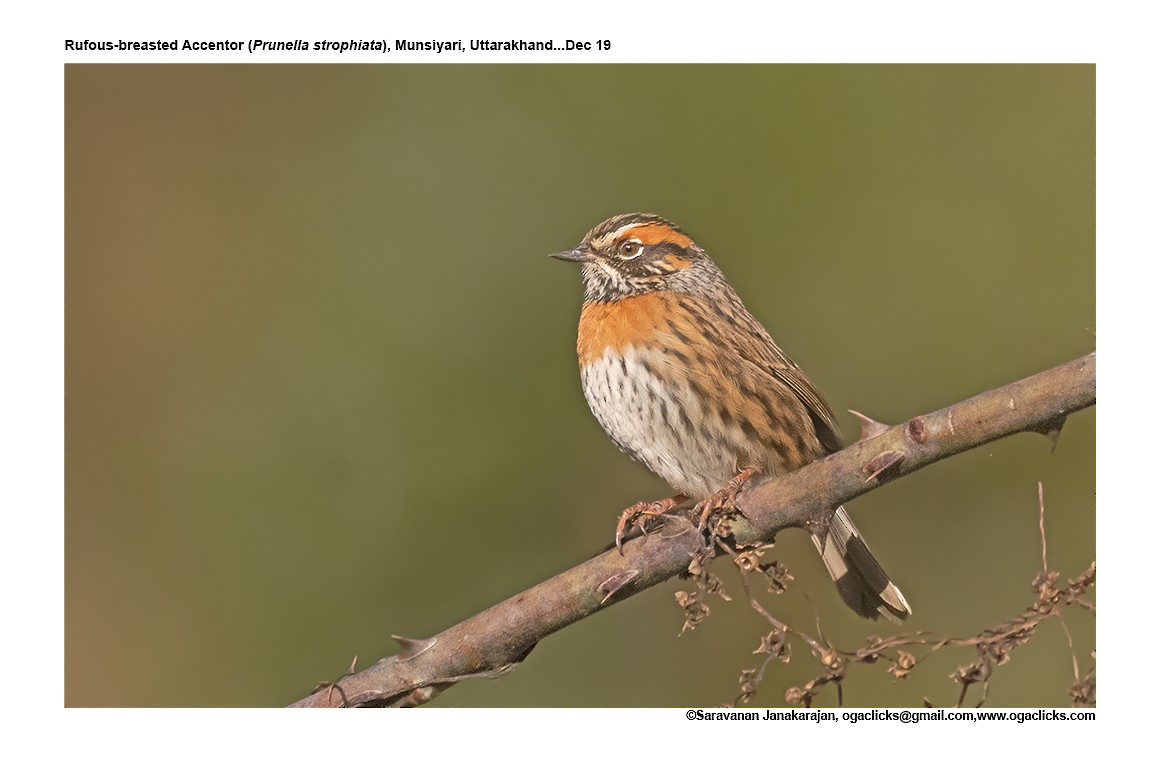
661	422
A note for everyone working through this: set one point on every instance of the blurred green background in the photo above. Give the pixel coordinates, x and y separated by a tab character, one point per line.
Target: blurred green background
321	377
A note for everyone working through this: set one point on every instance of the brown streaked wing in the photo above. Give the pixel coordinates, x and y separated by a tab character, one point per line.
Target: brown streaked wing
753	344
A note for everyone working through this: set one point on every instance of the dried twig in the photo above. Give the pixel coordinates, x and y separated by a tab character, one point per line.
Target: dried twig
993	646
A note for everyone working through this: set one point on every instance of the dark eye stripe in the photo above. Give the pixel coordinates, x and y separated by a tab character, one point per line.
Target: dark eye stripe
670	248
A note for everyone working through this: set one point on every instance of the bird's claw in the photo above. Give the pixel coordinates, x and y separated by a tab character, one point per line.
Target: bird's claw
643	511
724	499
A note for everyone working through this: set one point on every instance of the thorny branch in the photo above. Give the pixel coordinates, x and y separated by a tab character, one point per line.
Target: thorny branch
494	641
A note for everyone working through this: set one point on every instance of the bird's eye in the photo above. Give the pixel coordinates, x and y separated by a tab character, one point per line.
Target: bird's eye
630	249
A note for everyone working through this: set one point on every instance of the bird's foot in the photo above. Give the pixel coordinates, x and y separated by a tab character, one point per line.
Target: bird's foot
643	511
722	500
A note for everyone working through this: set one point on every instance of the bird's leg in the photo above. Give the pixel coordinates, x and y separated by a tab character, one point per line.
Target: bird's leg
643	510
723	499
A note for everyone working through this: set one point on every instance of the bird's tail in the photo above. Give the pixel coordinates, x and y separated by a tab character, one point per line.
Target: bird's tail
861	581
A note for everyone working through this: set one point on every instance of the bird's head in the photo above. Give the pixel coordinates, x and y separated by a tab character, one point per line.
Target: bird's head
632	254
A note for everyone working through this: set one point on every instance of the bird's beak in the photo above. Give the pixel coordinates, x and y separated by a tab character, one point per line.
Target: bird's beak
579	254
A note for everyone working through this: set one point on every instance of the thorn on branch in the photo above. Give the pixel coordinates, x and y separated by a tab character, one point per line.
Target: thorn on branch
881	462
615	583
870	427
1051	429
410	648
332	687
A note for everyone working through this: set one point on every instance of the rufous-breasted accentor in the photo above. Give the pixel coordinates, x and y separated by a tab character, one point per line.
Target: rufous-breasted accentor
685	380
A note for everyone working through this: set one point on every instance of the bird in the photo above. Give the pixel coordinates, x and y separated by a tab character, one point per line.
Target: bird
684	379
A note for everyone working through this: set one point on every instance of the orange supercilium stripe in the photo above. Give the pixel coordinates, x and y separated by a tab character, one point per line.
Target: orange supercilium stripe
657	233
